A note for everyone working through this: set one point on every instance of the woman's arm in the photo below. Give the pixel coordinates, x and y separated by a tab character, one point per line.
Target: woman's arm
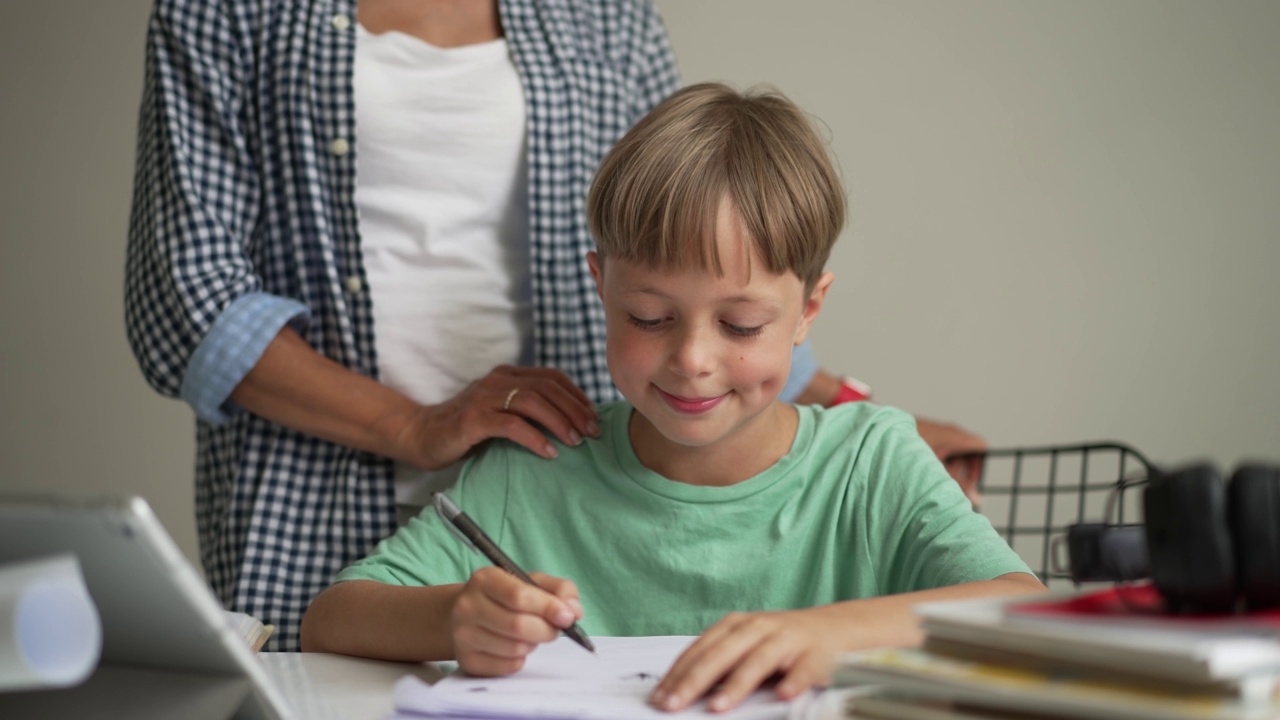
296	386
200	322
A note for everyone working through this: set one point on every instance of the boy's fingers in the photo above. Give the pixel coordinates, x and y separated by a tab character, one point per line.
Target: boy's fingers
575	606
481	639
693	657
564	589
517	626
685	685
482	664
518	596
807	672
749	674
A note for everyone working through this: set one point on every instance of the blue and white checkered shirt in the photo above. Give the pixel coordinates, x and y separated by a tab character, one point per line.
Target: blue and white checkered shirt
244	220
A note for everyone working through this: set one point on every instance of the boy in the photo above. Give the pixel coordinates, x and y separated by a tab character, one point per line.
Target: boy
704	495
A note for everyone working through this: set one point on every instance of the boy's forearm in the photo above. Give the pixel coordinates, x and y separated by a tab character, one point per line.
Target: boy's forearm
888	621
387	622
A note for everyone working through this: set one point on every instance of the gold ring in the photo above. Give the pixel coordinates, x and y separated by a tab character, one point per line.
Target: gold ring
507	405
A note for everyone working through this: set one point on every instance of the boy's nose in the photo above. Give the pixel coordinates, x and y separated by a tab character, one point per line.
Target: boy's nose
692	354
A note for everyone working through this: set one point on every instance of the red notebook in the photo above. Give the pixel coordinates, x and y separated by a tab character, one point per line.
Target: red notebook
1141	603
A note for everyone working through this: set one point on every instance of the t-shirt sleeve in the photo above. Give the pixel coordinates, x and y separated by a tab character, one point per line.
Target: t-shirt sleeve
927	532
425	551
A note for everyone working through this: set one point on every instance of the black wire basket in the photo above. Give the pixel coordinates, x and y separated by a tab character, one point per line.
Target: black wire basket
1033	494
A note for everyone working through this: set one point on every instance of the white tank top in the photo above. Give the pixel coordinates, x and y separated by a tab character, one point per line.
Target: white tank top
441	190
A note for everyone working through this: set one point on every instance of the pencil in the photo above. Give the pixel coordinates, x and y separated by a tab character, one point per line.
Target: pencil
471	533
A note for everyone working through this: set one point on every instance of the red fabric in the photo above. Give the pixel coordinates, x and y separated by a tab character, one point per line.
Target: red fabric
851	391
1139	601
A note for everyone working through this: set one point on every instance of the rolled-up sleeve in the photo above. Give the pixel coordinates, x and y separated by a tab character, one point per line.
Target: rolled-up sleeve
232	347
195	310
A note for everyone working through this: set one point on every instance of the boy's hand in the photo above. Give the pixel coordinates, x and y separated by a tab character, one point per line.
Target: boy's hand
739	653
498	619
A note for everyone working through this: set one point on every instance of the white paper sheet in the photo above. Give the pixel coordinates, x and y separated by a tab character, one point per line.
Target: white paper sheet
50	633
562	681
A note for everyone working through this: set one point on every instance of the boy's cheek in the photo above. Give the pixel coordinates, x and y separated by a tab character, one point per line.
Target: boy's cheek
767	369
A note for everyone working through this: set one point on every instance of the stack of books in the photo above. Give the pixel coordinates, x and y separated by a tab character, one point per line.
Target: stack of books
1103	654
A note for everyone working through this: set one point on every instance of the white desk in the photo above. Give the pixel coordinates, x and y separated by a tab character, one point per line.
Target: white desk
321	686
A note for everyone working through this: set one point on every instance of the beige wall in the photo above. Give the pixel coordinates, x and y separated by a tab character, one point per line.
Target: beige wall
1064	222
78	418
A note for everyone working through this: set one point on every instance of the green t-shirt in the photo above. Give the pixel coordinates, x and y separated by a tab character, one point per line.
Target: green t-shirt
859	507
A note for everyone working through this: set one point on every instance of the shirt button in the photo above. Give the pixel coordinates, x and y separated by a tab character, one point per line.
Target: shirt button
341	22
340	147
353	284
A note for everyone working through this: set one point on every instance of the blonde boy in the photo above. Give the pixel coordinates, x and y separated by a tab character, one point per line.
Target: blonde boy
782	535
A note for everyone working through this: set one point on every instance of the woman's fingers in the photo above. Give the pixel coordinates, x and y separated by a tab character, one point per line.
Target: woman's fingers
517	429
548	405
574	401
523	405
543	395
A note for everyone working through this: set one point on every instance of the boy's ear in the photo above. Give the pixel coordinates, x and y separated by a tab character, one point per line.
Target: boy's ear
593	262
813	305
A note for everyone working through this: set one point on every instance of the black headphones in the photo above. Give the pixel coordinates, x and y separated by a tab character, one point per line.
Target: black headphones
1208	545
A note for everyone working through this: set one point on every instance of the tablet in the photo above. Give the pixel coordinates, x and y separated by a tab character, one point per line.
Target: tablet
157	613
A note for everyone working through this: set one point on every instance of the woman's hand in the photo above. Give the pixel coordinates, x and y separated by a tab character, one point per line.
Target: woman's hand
738	654
299	388
499	619
506	403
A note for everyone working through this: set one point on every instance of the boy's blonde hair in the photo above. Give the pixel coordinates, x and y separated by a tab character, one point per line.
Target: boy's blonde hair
657	194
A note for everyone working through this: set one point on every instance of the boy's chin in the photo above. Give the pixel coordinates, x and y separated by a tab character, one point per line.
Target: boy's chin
699	431
690	439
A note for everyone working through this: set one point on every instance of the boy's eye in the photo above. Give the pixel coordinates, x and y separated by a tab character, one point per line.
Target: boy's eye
642	323
741	331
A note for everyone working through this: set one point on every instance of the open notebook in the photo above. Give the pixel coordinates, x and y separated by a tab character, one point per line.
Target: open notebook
561	681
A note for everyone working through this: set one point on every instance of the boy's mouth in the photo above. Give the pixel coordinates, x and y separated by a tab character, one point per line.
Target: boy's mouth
690	406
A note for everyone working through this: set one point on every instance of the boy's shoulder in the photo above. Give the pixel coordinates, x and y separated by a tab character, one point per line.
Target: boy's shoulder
869	440
854	418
